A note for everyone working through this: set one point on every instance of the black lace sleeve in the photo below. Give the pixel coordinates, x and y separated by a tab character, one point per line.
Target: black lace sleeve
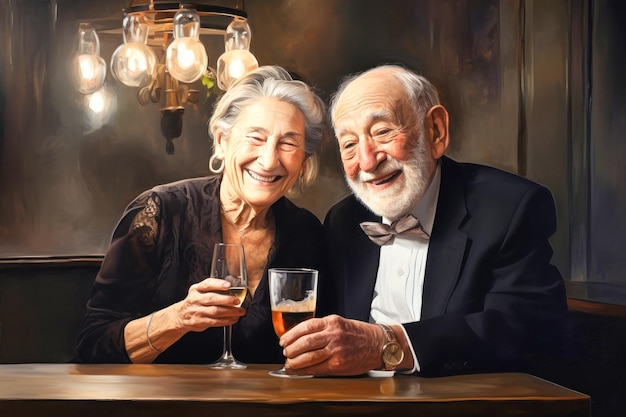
124	286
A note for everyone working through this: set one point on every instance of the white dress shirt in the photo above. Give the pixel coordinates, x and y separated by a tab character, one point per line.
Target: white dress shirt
402	264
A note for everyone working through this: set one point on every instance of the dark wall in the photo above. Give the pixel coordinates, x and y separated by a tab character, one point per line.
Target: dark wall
41	307
66	172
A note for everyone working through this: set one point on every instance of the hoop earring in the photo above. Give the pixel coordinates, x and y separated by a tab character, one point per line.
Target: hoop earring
212	167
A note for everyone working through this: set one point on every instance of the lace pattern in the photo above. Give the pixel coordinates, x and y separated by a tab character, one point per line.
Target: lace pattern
145	226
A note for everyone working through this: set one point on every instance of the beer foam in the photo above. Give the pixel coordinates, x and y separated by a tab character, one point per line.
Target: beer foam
303	306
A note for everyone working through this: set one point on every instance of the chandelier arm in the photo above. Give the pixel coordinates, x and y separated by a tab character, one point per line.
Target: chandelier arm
202	9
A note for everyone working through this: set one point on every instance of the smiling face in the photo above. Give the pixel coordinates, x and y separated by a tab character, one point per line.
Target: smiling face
264	154
385	150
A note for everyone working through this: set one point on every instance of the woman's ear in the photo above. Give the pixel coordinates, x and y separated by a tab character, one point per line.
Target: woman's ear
218	143
437	124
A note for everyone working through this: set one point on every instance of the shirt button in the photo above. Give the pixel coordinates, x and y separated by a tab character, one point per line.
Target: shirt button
400	272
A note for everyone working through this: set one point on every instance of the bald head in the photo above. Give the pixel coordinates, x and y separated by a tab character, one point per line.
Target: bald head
415	89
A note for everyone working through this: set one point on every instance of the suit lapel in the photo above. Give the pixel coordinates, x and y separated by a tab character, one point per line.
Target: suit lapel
363	267
447	243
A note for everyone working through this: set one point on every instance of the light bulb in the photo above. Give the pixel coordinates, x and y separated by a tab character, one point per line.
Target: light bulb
186	58
99	107
232	65
238	35
97	103
186	24
134	63
89	73
237	60
88	67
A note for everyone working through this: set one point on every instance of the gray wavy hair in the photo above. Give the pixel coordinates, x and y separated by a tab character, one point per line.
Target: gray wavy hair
275	82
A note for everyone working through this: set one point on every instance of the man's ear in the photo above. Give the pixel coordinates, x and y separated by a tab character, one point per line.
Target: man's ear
437	124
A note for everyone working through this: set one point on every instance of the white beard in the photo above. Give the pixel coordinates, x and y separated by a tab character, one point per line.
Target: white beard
399	199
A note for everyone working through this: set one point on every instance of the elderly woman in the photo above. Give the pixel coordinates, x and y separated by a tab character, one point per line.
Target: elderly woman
266	129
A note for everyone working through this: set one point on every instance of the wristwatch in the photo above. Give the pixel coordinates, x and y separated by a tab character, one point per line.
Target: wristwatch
392	351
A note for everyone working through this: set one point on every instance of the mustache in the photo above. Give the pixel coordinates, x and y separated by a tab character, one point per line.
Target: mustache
386	167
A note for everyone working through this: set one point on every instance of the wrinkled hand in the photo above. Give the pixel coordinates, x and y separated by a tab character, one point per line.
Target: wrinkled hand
332	345
204	308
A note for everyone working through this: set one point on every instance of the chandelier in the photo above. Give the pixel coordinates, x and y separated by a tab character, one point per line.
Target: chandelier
162	54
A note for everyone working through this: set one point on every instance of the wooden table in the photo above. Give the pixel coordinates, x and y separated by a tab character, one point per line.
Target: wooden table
49	390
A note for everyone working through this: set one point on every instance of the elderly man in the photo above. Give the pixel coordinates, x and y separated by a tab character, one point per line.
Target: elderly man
440	267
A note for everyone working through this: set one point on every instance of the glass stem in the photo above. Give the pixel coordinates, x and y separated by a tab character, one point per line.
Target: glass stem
228	331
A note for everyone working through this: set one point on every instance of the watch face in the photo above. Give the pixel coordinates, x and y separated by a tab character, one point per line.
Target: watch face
392	354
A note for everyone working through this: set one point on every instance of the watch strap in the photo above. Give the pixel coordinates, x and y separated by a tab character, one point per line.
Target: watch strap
390	335
392	354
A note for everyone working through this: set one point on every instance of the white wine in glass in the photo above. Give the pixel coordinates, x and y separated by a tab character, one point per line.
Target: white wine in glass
293	295
229	264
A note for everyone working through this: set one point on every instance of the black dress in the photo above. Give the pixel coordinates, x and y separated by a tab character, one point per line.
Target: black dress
163	244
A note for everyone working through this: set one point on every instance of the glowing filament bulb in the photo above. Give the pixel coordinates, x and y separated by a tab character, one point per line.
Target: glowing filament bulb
89	68
232	65
134	63
185	55
186	58
237	60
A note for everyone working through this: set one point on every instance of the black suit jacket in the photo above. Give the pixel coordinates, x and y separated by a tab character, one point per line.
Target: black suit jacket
491	299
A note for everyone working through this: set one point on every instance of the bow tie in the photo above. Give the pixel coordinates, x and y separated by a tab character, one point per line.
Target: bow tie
382	234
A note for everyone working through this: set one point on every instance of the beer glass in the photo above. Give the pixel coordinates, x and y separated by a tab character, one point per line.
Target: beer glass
293	294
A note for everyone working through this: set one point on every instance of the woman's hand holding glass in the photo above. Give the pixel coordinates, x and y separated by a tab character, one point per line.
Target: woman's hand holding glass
205	307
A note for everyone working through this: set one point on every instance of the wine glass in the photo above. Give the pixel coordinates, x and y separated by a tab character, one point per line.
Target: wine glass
293	294
229	264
